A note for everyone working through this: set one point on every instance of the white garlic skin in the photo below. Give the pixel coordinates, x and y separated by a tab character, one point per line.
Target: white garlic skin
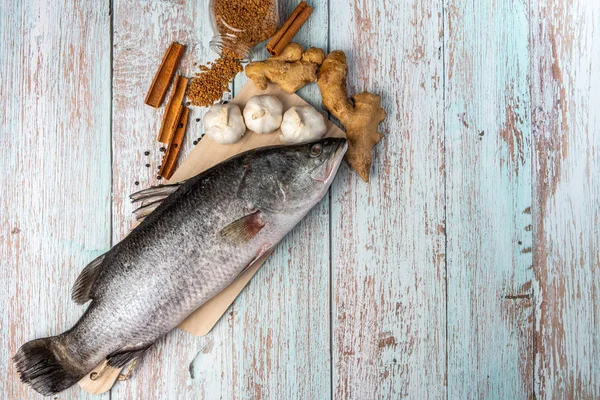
263	114
224	123
302	124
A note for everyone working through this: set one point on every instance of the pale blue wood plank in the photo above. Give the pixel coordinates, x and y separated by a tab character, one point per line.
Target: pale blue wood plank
388	312
55	162
280	322
565	48
388	236
489	258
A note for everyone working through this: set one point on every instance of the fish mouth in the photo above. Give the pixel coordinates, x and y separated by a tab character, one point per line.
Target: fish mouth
333	162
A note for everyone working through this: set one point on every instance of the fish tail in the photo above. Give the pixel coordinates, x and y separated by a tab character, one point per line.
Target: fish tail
46	365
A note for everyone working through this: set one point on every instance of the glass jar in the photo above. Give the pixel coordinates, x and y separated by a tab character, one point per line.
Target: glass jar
239	25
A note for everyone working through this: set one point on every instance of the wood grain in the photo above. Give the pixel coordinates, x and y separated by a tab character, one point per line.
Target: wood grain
491	148
565	53
488	227
55	162
388	311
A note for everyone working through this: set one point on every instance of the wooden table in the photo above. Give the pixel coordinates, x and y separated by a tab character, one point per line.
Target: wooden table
469	267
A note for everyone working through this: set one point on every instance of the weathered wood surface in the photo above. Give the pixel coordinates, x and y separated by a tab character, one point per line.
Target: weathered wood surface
469	266
488	200
55	162
387	266
565	82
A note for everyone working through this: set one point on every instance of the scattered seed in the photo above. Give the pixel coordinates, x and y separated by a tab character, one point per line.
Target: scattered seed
208	87
197	119
159	177
136	183
162	149
147	165
146	153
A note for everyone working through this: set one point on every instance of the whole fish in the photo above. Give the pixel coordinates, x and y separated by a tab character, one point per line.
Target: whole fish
200	236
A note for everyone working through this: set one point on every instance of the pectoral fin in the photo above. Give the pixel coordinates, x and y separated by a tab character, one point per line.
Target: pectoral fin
245	228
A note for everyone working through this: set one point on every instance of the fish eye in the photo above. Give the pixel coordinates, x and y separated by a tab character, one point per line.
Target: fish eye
316	150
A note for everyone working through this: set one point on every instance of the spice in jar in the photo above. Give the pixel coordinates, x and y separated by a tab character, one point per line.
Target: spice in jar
249	21
239	25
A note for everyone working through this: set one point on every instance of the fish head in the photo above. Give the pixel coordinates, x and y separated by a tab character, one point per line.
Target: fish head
295	177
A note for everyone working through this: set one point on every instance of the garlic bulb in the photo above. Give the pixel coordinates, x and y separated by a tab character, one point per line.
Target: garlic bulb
302	124
263	114
224	123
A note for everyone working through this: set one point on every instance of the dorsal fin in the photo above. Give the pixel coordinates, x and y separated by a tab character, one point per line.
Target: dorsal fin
151	198
145	210
160	190
82	289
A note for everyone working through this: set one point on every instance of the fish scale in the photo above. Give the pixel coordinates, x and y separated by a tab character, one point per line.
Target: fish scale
202	236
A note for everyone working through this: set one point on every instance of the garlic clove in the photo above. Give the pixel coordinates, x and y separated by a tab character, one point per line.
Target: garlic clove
263	114
302	124
224	123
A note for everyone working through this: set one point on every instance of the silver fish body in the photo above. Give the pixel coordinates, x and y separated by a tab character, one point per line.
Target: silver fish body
205	232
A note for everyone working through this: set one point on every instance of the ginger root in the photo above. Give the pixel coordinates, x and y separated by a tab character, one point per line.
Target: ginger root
293	69
360	120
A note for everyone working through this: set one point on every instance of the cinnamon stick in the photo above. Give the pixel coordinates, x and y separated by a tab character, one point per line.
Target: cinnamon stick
169	162
164	75
288	30
171	115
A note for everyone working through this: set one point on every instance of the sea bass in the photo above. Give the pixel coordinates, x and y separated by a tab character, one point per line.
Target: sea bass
200	236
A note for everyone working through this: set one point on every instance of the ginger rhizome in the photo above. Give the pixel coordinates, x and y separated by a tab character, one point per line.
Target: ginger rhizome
293	69
360	119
